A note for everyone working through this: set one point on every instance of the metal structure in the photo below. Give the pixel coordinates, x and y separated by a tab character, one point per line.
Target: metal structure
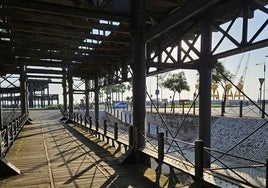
105	42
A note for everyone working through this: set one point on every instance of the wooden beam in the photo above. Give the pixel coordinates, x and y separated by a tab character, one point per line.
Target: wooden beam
58	9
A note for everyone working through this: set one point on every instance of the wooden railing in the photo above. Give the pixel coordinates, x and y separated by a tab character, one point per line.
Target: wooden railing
120	135
9	133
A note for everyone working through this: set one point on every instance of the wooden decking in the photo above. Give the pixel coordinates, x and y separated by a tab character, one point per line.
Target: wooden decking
52	154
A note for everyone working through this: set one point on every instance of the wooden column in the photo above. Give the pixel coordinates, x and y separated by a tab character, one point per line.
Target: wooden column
205	73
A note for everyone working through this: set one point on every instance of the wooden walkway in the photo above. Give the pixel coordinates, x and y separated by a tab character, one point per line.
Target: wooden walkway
52	154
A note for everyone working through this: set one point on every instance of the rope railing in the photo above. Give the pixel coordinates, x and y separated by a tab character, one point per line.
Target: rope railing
186	156
243	170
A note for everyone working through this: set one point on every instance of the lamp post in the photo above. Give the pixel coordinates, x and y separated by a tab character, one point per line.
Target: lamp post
264	73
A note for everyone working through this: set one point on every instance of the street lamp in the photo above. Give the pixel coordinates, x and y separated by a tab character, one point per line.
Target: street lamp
264	73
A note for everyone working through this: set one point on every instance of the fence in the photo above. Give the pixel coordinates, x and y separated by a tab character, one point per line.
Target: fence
163	146
9	133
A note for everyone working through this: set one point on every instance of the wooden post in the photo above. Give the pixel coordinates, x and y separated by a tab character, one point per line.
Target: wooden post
130	136
149	127
129	118
194	108
240	108
263	109
161	144
85	120
105	127
266	173
115	131
199	159
222	108
97	125
90	122
81	119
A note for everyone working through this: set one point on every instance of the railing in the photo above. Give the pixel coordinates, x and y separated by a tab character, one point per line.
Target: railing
9	133
163	146
239	108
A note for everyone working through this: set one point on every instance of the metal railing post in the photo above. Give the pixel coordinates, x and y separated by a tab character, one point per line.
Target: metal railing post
199	159
165	108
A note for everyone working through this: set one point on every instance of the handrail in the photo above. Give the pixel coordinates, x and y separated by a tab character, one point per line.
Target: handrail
10	132
110	132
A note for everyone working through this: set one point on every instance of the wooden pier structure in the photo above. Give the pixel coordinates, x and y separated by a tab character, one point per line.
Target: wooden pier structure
100	43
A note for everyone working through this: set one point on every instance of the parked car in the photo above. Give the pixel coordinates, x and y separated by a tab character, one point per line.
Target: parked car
120	105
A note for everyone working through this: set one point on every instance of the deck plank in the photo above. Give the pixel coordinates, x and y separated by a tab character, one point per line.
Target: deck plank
52	154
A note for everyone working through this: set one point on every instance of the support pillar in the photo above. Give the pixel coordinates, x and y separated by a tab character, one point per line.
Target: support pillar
87	96
1	115
64	88
48	96
70	92
23	90
97	91
31	95
205	73
139	72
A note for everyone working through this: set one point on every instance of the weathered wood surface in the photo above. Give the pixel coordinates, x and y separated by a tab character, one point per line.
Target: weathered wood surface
51	154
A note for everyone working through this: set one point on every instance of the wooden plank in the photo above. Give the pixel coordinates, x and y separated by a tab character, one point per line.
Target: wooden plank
51	154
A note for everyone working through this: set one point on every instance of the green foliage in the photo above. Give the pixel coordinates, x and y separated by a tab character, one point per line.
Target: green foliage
176	82
218	72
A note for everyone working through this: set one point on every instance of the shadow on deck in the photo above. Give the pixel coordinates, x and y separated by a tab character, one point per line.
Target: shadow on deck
50	153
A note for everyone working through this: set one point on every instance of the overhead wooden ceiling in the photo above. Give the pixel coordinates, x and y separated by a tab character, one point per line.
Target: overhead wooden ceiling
92	36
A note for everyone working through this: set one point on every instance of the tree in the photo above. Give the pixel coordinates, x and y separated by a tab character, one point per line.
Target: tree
176	83
219	76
